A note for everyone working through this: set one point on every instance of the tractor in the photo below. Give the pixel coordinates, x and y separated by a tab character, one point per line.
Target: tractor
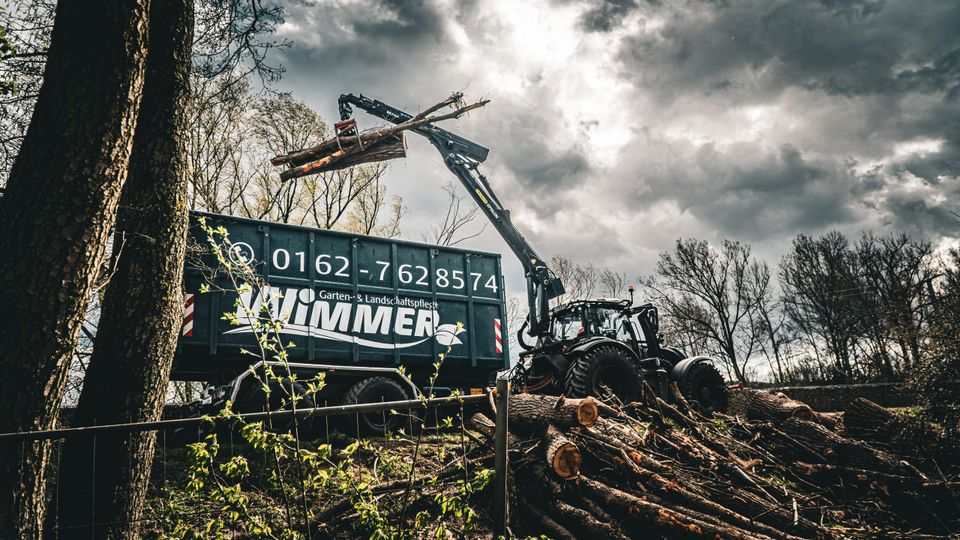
611	349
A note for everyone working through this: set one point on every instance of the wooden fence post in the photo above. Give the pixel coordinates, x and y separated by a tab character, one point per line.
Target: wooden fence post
501	503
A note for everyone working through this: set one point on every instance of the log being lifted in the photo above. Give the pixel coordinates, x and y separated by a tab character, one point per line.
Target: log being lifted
776	408
537	411
385	149
332	153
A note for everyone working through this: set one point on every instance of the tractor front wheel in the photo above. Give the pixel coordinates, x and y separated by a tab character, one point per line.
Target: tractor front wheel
704	384
604	372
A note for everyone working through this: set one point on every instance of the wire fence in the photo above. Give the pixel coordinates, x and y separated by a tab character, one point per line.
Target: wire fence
295	470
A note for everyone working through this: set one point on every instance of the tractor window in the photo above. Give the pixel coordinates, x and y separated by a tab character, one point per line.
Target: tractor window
567	326
607	322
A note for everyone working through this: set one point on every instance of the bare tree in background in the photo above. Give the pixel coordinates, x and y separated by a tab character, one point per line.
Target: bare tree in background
365	217
768	319
27	26
895	270
706	292
822	295
516	315
231	141
612	284
579	280
461	213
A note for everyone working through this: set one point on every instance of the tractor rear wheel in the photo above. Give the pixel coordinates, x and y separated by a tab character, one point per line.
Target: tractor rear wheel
604	372
375	390
704	384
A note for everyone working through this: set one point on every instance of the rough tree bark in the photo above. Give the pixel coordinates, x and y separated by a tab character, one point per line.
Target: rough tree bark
536	411
142	312
55	219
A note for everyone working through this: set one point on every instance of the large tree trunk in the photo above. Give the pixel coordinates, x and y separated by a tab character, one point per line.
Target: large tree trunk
55	219
127	377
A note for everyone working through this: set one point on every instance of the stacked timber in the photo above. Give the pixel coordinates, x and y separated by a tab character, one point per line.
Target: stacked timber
583	469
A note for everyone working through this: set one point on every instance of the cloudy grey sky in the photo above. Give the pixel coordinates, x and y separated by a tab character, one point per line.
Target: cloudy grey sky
616	127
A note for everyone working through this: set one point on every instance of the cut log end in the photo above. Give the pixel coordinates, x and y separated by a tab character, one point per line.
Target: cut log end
563	456
587	412
566	461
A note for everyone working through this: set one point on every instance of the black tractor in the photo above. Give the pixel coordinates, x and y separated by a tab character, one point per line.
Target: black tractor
608	348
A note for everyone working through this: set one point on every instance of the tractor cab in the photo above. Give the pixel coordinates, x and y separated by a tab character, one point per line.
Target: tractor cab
609	348
612	318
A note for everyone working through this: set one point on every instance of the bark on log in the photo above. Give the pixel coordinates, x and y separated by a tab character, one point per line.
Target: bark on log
674	524
534	514
536	411
775	408
562	455
899	483
864	419
486	426
840	450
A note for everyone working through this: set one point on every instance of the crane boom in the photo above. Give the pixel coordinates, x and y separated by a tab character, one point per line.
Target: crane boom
462	157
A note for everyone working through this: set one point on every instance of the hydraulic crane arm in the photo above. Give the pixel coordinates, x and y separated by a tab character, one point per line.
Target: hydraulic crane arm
463	157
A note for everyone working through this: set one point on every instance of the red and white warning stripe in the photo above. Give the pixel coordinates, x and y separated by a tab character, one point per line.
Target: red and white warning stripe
188	314
496	333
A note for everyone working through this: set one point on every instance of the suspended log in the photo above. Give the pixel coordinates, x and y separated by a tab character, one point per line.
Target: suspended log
388	148
537	411
329	154
776	408
562	455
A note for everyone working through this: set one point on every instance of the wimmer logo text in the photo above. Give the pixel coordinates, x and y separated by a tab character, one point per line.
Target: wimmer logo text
399	323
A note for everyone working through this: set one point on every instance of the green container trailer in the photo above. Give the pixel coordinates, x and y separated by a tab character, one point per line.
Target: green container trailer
356	307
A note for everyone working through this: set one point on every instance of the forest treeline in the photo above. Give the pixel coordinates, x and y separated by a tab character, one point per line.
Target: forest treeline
832	310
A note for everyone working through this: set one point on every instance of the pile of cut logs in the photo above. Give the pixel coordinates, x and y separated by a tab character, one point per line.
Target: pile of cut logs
586	469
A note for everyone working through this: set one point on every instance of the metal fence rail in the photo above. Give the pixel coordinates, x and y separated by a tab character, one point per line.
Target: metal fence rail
332	410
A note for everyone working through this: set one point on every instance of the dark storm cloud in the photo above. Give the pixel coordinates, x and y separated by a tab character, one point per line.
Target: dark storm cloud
366	42
759	47
607	15
896	62
743	190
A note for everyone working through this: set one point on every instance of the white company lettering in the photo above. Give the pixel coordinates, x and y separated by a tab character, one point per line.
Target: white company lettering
333	315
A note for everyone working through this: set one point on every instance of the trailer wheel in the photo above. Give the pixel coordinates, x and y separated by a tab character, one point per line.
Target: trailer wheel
602	370
254	401
375	390
704	384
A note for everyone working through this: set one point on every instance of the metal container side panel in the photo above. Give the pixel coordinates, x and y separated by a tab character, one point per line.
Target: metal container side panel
346	299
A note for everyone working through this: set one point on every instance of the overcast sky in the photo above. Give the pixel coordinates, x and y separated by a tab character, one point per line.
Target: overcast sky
617	127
